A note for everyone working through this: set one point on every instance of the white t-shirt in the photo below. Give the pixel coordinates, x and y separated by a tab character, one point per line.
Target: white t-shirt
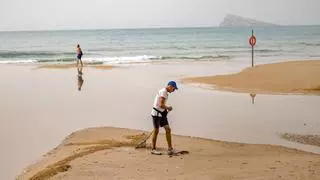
156	104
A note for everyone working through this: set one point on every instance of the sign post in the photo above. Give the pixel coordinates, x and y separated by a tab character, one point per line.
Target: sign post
252	42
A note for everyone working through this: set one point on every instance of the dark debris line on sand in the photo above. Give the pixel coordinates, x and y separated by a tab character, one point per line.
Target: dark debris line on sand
303	139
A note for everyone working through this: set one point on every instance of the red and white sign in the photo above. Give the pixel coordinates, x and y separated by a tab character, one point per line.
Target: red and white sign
252	40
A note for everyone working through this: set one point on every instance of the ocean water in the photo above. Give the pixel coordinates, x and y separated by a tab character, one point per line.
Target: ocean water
167	44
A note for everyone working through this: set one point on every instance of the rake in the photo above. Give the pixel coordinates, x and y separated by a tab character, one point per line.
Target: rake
143	142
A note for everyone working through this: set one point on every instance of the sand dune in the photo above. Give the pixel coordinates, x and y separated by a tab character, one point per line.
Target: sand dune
287	77
108	153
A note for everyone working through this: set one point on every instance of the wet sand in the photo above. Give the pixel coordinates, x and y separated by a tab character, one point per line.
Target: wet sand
108	153
40	107
67	66
285	77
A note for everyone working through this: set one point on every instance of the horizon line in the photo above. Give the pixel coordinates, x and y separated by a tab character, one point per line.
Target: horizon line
137	28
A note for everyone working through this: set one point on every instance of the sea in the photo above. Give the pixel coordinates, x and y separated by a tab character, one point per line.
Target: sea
129	46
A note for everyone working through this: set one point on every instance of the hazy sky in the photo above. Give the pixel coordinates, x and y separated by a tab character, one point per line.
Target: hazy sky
105	14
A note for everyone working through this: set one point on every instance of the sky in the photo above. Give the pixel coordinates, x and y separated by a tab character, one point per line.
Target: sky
17	15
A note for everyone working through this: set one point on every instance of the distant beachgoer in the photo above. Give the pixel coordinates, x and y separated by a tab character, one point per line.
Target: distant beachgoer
79	55
80	79
159	116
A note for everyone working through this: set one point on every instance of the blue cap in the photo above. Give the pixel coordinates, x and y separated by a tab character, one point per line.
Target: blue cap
173	84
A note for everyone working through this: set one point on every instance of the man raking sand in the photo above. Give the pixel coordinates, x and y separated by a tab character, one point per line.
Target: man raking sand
159	116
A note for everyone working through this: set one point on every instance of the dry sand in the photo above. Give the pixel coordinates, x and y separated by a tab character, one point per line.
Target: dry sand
108	153
286	77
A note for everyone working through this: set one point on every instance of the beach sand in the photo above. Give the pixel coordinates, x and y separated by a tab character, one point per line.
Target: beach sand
41	106
67	66
108	153
285	77
302	138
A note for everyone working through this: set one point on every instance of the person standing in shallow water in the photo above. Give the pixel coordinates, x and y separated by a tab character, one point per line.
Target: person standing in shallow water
79	55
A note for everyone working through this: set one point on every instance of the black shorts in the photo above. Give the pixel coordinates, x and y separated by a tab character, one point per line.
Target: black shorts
159	121
79	56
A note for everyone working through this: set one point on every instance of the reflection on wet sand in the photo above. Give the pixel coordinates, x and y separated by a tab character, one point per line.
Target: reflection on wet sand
80	79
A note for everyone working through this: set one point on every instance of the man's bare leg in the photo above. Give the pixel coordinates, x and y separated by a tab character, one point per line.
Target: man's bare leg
168	136
154	137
